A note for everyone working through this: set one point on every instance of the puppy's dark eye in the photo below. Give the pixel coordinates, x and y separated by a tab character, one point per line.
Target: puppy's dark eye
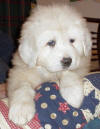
51	43
72	40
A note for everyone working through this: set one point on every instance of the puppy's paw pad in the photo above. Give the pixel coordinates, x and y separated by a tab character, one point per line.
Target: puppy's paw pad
21	113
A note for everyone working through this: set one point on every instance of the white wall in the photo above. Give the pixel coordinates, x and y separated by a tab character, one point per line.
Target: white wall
46	2
88	8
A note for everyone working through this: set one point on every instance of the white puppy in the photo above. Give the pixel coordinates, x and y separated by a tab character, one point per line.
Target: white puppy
55	45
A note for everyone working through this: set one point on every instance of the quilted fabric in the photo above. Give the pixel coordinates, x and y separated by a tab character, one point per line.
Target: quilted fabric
5	123
53	112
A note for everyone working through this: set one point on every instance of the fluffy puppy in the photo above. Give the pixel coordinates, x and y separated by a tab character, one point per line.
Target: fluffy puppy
55	45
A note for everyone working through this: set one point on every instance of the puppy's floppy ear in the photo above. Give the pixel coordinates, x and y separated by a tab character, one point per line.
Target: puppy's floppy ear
87	43
27	47
28	53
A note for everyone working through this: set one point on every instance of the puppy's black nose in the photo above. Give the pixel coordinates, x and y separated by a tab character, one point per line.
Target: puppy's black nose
66	62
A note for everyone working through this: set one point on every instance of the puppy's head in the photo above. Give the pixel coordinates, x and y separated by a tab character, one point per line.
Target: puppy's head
55	37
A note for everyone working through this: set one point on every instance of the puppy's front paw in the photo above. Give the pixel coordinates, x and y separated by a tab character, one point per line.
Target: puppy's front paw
21	113
74	96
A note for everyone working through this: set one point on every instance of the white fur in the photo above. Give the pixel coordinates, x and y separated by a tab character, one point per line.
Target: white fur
35	62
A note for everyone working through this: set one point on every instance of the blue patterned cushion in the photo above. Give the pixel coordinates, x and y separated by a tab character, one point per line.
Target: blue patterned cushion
55	113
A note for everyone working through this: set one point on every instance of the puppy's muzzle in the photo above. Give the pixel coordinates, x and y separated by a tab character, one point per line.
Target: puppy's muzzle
66	62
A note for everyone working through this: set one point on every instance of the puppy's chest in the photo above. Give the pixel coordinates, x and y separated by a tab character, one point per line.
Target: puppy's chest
47	76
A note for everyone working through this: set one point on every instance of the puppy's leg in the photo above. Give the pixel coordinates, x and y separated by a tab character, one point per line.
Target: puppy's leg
71	88
22	107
